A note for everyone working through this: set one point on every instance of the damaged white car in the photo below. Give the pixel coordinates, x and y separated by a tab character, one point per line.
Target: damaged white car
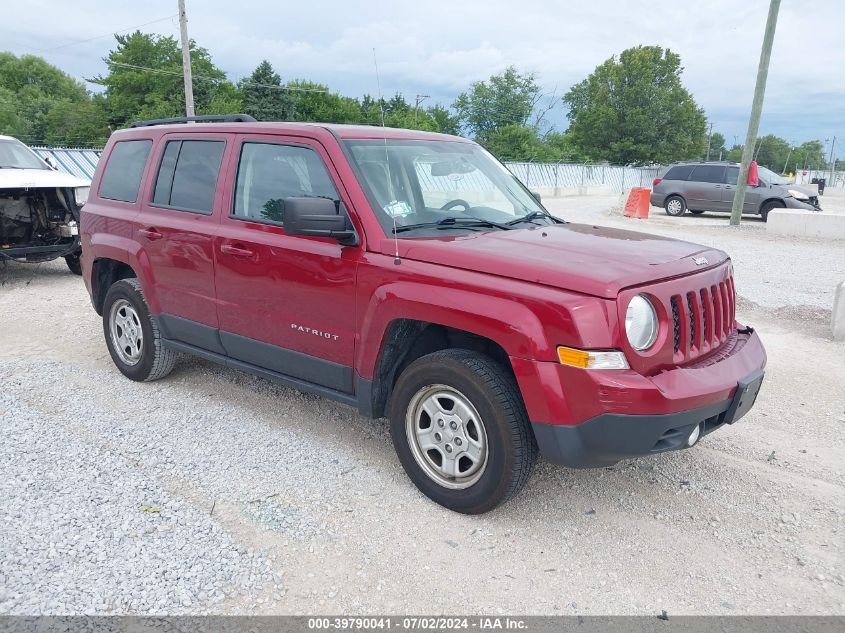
39	207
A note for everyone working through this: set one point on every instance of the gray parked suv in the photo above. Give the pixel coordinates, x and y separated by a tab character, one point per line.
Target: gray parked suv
709	186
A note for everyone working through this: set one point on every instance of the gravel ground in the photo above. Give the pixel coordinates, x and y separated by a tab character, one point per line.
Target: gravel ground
213	491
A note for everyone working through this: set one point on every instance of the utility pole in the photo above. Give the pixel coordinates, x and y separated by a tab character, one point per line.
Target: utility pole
709	136
186	60
783	171
756	110
417	102
832	161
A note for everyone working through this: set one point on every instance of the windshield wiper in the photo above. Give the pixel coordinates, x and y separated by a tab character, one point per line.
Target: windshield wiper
535	215
453	223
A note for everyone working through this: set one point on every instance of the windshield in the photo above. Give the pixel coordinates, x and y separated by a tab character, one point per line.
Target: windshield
458	185
770	177
16	155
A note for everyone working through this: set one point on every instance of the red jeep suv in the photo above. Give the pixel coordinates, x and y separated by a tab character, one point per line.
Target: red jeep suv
410	275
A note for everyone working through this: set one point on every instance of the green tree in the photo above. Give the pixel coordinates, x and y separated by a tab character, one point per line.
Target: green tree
772	152
263	95
718	151
444	121
634	109
144	79
808	155
504	100
41	104
311	101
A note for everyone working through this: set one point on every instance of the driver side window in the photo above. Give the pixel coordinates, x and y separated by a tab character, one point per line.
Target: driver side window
268	173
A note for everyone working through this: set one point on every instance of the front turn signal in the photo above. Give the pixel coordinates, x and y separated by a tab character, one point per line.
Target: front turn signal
585	359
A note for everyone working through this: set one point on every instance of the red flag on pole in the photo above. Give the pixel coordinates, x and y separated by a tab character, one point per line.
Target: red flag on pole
753	178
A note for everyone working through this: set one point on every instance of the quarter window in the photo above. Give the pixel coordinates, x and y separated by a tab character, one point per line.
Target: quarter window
268	173
187	176
732	175
122	177
708	173
679	172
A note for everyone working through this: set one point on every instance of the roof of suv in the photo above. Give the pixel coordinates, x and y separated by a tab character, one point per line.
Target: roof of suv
339	130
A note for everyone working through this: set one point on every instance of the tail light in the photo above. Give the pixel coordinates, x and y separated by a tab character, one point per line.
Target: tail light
656	181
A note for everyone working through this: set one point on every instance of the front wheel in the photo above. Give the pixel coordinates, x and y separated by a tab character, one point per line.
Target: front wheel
73	263
675	206
132	335
772	204
461	431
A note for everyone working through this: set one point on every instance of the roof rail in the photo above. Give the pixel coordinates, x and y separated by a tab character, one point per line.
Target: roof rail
203	118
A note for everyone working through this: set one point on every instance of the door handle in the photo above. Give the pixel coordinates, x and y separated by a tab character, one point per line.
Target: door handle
151	234
236	251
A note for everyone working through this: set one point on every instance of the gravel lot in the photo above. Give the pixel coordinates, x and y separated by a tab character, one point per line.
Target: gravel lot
214	491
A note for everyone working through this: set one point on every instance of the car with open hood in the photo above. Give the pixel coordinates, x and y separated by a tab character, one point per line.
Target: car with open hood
39	207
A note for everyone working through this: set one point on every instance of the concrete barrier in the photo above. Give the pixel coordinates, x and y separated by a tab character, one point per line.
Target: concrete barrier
837	321
829	226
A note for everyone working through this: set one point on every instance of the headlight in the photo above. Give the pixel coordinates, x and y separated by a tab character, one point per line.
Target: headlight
81	195
798	195
641	323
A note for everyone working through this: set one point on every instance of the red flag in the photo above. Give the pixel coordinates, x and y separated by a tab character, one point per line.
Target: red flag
753	178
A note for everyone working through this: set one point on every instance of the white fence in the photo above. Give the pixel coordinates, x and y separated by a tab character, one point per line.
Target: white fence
615	178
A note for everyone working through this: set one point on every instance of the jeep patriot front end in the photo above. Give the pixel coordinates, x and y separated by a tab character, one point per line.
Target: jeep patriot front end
411	275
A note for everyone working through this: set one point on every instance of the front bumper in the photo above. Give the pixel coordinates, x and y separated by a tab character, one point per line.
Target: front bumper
587	418
609	438
794	203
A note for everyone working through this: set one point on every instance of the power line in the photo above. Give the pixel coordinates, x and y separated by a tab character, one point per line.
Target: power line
213	79
97	37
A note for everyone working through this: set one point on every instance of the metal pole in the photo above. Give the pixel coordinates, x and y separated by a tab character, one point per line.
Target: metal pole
783	171
186	59
756	110
709	136
832	161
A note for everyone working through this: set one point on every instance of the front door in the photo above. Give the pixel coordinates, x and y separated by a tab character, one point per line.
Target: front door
752	194
286	303
705	186
176	226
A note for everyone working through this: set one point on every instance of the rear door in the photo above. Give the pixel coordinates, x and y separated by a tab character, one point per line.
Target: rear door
178	221
286	303
705	187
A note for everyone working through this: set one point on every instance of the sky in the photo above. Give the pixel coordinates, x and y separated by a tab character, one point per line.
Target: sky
439	47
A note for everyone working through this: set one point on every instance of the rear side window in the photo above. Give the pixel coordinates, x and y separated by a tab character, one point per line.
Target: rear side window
187	175
678	172
708	173
732	175
269	173
122	177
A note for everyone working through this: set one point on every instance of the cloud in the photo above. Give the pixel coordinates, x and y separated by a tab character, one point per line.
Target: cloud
440	46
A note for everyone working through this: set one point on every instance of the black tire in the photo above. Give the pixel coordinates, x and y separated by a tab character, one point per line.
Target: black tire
493	392
155	360
696	211
73	263
675	206
771	204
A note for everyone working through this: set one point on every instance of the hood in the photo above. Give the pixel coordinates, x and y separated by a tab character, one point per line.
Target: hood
39	178
592	260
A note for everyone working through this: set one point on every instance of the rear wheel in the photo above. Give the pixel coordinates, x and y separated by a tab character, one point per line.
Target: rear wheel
132	336
771	204
461	431
675	206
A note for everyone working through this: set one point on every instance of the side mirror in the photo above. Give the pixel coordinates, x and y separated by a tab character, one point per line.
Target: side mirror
537	196
317	217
